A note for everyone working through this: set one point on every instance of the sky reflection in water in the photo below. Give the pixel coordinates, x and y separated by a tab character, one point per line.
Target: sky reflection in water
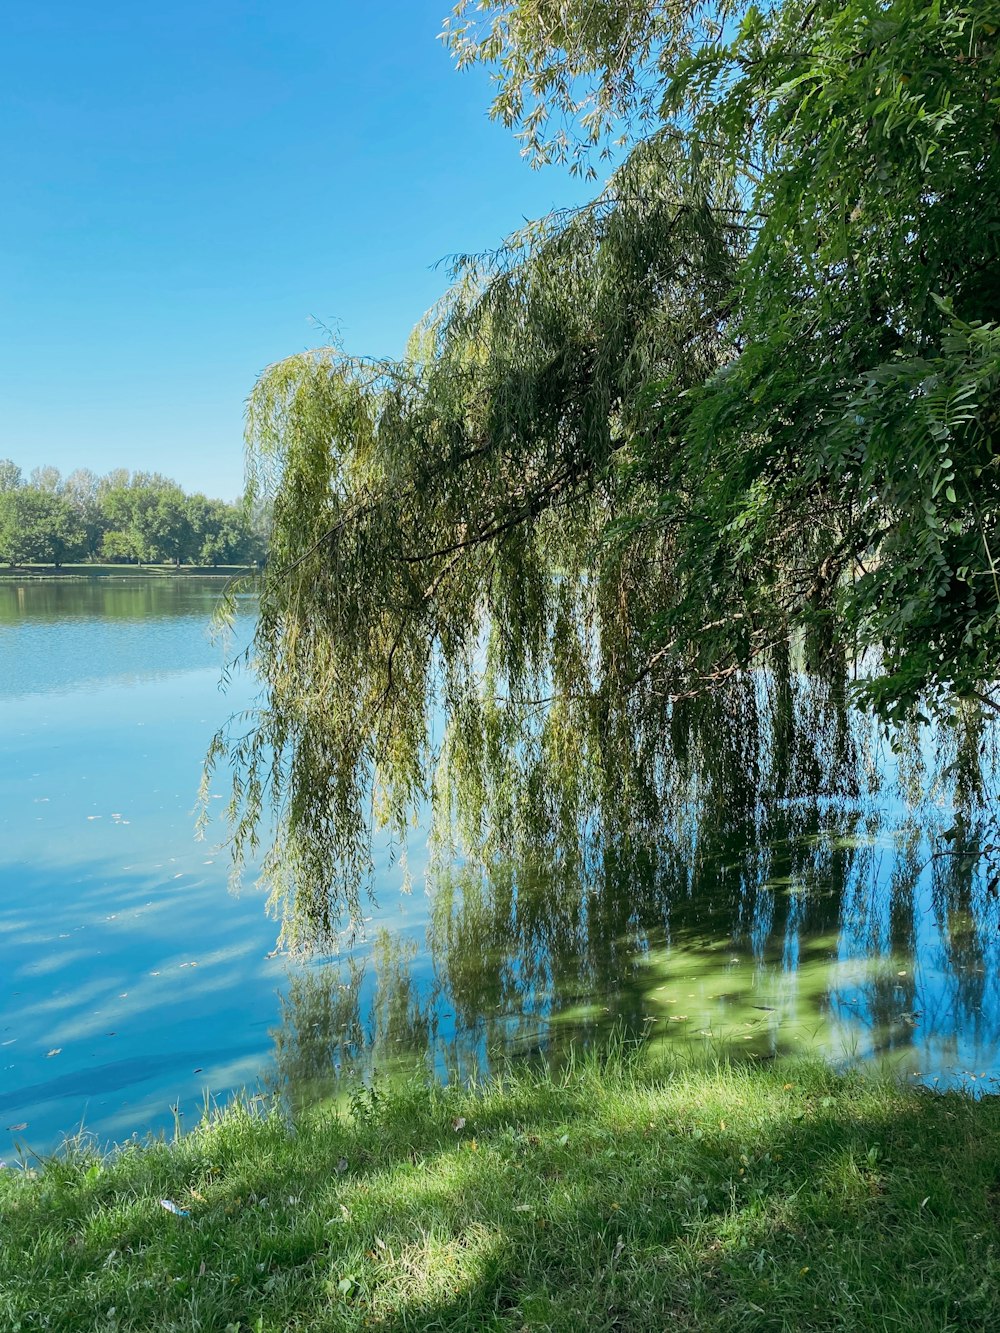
132	982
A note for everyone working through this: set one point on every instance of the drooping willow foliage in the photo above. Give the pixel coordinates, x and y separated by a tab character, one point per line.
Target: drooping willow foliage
657	479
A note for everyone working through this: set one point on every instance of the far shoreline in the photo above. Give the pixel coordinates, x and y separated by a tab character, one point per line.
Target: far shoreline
32	573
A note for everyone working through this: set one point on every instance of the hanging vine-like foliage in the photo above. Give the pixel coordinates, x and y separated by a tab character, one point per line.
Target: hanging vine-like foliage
660	475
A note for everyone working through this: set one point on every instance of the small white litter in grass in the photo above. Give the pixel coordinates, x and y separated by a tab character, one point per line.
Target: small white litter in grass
174	1208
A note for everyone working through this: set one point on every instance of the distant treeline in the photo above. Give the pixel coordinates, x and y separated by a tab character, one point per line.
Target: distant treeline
131	517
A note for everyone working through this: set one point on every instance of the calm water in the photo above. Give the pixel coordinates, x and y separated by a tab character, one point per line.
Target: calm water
133	983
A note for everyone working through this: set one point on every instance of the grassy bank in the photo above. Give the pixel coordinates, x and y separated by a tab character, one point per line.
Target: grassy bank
613	1198
21	572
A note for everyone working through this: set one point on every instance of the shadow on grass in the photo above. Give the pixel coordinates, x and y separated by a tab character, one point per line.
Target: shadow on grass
617	1196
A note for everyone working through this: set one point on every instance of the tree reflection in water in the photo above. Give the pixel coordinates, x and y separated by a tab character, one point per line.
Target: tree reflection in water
815	926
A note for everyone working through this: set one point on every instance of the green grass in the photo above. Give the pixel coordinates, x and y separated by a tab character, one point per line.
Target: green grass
614	1197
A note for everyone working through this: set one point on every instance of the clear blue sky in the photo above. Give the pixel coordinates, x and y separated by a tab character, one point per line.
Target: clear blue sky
187	185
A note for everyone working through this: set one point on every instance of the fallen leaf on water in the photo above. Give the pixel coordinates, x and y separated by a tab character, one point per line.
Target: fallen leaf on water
55	1051
14	1129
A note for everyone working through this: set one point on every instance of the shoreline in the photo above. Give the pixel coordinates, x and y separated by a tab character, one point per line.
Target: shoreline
85	573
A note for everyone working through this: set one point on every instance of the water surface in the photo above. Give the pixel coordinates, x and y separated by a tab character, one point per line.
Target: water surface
134	985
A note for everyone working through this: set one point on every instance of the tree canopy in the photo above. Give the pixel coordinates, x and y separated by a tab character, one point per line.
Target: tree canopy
670	493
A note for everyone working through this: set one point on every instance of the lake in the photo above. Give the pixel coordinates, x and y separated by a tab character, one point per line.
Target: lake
135	985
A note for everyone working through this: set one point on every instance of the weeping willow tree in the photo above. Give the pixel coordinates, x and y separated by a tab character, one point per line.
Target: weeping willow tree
657	477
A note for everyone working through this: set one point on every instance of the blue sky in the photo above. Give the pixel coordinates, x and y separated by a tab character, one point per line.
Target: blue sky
187	186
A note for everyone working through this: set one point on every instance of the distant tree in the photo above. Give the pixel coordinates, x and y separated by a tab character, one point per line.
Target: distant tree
118	544
10	475
200	516
112	481
46	478
167	530
38	526
148	520
81	490
121	539
221	532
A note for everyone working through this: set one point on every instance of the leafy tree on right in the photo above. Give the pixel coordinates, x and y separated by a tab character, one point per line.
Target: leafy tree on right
734	420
